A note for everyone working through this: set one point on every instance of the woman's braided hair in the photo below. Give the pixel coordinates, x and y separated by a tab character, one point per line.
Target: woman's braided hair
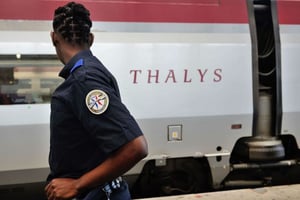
73	23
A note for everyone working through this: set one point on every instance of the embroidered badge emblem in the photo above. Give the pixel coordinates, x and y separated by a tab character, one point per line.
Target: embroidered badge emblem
97	101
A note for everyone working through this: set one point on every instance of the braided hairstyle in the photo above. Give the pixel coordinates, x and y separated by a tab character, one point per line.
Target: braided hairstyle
73	23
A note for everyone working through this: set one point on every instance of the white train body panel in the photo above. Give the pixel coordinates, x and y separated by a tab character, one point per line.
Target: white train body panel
168	79
290	43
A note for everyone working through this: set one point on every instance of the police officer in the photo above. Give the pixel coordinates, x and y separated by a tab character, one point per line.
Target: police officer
94	139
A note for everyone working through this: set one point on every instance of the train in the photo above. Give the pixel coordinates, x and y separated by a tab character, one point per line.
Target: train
213	84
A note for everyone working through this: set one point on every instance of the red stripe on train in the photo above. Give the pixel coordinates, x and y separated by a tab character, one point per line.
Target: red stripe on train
288	11
183	11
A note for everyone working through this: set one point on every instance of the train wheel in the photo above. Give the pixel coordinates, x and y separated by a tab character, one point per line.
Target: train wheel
178	176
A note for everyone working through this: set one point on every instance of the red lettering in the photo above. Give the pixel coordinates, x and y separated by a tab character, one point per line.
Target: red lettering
218	75
153	76
202	74
171	75
185	76
135	75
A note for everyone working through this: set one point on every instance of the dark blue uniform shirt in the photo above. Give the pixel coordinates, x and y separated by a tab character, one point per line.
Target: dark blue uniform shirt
80	139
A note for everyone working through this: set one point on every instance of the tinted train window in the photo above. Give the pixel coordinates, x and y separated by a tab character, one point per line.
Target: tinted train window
28	79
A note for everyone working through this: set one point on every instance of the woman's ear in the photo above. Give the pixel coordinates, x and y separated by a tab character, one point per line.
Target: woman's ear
91	39
53	38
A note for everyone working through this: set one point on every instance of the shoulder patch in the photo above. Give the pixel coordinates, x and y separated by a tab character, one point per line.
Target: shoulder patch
97	101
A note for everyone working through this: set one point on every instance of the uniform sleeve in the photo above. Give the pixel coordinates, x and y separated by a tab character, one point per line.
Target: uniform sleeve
103	116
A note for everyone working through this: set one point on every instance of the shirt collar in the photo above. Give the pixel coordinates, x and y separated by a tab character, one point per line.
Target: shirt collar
75	62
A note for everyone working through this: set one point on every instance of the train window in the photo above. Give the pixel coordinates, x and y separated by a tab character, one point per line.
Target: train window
28	79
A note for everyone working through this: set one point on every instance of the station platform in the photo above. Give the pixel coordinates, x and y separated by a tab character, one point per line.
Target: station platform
286	192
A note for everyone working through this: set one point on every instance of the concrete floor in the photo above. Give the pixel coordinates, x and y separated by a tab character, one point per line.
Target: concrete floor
286	192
